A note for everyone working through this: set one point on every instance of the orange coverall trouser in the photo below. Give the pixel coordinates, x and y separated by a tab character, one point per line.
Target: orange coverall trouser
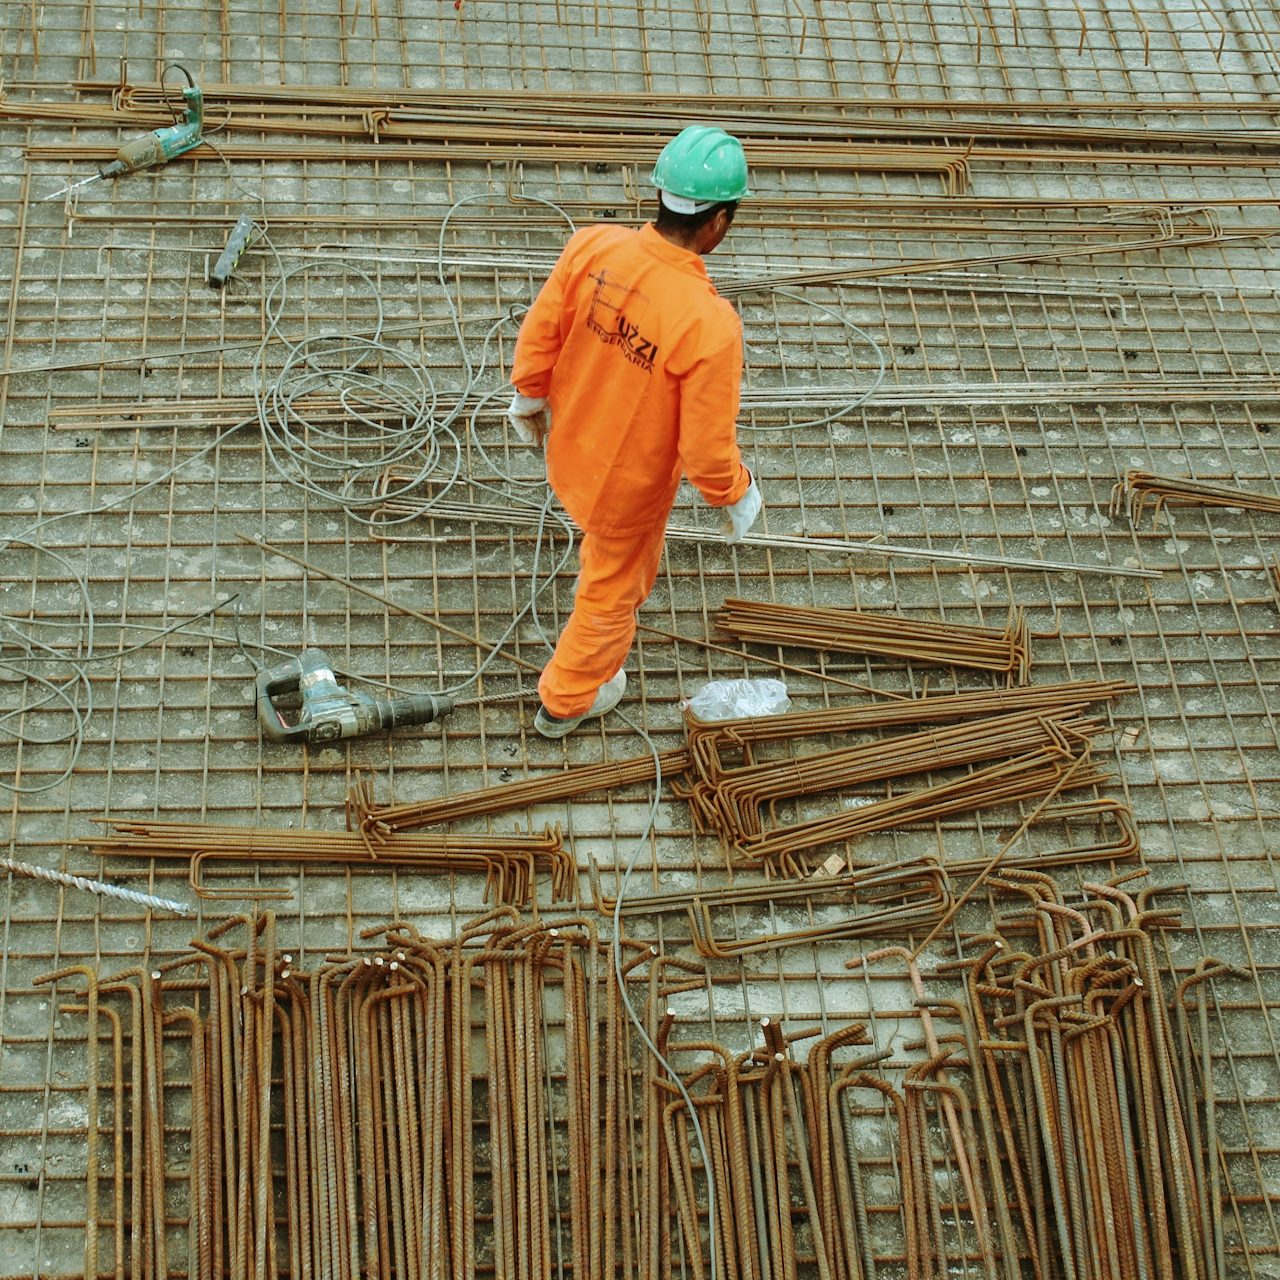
617	573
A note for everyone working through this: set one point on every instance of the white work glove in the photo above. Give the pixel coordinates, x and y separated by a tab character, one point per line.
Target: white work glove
742	515
530	418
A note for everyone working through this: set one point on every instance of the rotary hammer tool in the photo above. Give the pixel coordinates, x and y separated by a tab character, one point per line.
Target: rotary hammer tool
329	711
158	146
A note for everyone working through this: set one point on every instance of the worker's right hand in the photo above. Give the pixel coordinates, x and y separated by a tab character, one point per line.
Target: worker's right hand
742	514
530	418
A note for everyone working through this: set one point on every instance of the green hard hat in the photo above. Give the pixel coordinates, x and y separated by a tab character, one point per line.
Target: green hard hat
701	165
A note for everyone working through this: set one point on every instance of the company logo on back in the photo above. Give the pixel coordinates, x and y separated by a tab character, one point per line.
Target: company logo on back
610	318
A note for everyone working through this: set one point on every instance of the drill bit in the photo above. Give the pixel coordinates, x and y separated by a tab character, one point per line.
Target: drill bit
84	182
93	886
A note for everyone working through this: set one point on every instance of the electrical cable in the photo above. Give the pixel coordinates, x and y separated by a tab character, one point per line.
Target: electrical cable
178	117
337	362
56	694
160	632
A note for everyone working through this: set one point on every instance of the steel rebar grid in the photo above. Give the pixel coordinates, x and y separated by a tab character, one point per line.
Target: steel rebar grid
1221	416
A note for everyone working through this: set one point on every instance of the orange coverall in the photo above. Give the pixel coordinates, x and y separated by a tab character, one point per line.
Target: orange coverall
640	360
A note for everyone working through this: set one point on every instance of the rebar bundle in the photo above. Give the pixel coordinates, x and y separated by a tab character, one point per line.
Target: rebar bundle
397	1113
377	823
729	798
477	1105
881	902
1033	775
807	116
1006	652
1026	744
1069	1046
736	807
509	863
1045	1121
713	743
552	128
1141	489
885	901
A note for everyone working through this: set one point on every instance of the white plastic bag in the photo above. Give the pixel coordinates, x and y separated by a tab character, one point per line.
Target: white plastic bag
738	699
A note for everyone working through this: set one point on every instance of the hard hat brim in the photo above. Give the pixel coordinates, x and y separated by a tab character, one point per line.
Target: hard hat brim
682	204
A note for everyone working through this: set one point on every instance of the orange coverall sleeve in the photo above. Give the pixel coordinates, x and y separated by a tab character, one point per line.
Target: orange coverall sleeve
541	335
708	422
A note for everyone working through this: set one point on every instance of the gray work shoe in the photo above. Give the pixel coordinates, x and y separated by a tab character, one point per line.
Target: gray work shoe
607	697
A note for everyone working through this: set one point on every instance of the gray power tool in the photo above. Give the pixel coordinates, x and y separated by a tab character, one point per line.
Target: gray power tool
329	711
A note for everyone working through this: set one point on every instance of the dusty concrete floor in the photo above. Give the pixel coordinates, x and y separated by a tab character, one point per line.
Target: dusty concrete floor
990	434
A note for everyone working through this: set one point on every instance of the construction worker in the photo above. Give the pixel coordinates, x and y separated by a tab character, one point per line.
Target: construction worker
627	368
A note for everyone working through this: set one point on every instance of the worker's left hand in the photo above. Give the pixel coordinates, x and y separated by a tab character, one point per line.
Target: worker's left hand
742	514
530	418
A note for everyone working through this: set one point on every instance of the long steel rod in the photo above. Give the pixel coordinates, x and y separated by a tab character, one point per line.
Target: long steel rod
783	542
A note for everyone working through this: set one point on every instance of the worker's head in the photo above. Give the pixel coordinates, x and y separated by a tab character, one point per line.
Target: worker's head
700	175
701	231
